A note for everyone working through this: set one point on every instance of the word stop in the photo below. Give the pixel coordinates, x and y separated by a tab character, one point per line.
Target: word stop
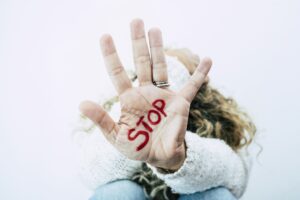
154	117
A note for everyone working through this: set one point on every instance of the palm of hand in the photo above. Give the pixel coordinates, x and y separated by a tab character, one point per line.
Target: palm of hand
151	125
153	120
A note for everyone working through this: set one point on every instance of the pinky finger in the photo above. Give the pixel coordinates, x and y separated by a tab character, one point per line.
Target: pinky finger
100	117
192	86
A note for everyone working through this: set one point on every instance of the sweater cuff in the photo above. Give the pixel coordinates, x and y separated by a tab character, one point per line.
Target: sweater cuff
187	165
209	163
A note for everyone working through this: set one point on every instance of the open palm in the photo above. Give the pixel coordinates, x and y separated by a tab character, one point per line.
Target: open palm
153	119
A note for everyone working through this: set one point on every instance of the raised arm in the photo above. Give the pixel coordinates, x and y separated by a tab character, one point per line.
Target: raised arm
153	118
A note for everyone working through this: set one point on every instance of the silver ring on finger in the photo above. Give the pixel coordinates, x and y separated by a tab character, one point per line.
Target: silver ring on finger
161	84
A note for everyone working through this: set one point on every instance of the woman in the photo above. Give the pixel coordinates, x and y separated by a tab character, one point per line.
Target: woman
169	143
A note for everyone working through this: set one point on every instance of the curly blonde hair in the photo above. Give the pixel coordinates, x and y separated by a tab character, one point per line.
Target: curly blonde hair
212	114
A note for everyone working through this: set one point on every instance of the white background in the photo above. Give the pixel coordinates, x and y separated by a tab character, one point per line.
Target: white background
50	61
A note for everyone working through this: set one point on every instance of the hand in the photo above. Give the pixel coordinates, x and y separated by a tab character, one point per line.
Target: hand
153	120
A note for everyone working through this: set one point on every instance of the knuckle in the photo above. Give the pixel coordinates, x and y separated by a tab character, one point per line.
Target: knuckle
143	59
193	84
100	118
116	71
159	65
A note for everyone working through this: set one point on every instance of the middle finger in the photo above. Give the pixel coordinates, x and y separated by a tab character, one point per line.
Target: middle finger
140	52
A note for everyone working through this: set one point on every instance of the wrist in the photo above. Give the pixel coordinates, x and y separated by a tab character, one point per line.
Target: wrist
169	170
176	165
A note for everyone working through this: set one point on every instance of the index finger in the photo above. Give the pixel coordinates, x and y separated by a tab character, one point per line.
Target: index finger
113	65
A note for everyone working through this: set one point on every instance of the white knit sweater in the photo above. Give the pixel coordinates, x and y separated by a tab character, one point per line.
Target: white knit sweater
209	163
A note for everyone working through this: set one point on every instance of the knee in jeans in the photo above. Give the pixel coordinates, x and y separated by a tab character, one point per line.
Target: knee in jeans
121	189
224	192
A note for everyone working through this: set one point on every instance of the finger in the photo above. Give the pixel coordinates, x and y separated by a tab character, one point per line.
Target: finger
140	52
159	65
113	65
100	117
192	86
206	79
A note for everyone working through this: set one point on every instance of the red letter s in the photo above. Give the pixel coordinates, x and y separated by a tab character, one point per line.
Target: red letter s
140	132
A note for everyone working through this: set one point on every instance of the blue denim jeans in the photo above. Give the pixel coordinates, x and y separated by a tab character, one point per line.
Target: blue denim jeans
128	190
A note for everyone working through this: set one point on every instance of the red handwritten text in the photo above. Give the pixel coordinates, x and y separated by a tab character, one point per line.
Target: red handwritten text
154	117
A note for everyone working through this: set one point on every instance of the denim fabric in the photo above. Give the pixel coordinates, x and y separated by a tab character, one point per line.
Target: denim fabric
128	190
219	193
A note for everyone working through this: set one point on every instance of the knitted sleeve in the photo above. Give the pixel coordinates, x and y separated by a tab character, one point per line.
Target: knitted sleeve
209	163
102	163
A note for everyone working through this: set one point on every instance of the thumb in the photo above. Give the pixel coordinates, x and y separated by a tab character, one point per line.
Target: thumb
101	118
